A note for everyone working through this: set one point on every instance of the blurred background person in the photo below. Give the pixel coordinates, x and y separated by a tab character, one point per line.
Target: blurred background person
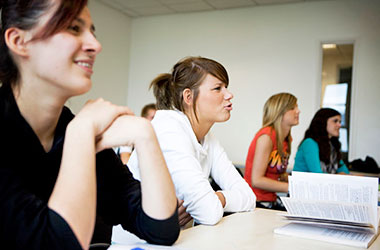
268	154
319	151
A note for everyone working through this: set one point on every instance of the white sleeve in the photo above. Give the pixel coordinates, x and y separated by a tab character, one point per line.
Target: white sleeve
191	184
239	196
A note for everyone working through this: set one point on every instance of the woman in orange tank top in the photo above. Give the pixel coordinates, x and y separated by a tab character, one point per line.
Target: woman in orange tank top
268	154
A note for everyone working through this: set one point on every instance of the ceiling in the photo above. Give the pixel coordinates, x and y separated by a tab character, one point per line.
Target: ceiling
140	8
344	51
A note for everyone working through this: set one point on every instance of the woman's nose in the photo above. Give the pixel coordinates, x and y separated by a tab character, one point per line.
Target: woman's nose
228	95
91	44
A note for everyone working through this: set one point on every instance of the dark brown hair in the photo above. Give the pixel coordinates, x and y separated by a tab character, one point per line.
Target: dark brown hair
25	15
188	73
146	108
318	132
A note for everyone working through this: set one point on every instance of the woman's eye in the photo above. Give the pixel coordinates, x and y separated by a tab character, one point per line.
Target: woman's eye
74	28
217	88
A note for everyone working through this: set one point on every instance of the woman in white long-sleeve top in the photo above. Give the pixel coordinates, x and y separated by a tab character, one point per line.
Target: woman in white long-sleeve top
190	100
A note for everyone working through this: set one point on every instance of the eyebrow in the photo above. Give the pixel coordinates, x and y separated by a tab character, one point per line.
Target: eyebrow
220	83
81	21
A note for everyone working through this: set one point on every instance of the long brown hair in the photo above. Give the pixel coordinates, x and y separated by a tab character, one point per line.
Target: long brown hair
274	109
318	132
188	73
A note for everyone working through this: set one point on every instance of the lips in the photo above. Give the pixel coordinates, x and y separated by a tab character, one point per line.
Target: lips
228	107
85	65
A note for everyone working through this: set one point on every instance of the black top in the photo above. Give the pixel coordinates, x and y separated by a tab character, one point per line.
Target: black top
27	178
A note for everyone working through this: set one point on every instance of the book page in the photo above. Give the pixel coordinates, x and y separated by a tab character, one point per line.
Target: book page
345	237
354	227
337	188
349	212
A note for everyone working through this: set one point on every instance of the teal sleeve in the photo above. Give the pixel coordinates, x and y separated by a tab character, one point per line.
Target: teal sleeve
342	168
310	153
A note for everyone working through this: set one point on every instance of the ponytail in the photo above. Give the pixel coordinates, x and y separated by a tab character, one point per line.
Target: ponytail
163	91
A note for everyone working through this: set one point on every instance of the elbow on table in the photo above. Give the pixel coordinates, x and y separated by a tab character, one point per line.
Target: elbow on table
252	201
209	217
166	238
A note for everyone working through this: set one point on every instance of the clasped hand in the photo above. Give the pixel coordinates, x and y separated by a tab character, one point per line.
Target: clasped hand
112	125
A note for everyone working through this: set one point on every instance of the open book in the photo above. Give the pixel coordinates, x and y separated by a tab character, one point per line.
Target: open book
335	208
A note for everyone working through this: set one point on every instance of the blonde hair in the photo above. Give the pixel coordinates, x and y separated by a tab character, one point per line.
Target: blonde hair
274	109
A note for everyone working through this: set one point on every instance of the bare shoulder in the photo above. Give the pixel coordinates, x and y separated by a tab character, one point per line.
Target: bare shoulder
264	142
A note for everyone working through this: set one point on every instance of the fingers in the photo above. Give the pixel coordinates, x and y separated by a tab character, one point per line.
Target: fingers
179	202
183	216
181	211
100	114
183	221
124	110
125	130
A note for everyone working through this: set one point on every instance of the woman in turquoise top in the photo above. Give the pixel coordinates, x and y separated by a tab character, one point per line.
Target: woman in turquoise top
319	151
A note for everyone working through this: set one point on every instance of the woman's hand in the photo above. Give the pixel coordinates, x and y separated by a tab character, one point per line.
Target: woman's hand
124	130
99	115
284	177
183	216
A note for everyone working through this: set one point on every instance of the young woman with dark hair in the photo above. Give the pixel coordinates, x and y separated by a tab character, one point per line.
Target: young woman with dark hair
319	151
51	196
190	100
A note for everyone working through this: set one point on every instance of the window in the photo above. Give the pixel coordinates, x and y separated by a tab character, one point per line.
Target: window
336	86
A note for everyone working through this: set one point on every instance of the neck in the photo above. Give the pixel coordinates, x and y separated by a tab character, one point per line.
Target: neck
200	128
41	111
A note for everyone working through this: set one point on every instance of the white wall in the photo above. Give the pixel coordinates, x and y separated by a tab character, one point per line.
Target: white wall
267	50
111	67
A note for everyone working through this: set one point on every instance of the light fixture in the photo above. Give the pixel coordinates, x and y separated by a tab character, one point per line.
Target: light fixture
329	46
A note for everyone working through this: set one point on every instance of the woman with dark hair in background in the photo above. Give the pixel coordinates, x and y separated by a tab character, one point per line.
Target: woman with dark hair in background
269	151
190	100
51	196
319	151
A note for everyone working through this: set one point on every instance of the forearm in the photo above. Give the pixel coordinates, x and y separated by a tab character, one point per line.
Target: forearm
271	185
74	194
239	198
237	193
158	195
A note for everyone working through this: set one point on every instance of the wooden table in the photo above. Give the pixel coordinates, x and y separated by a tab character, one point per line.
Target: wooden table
251	230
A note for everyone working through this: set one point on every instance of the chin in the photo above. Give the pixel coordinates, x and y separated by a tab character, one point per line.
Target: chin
84	88
225	118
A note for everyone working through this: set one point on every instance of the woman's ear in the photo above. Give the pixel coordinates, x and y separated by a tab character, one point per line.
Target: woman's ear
16	40
187	96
